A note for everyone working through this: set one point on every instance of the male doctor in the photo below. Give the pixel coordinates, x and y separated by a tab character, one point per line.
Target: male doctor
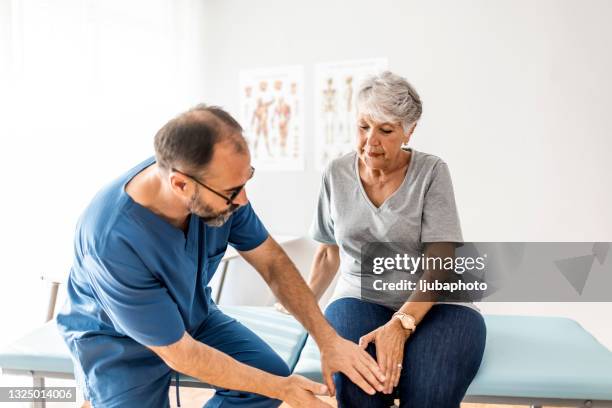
139	306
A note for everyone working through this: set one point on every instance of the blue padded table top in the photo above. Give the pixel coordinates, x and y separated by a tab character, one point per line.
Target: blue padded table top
40	350
44	350
527	356
542	356
282	332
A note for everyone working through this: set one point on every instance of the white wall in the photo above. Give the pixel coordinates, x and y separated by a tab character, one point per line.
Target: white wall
516	99
84	86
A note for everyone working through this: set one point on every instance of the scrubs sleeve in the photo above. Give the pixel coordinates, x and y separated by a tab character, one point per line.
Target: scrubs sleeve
246	231
135	301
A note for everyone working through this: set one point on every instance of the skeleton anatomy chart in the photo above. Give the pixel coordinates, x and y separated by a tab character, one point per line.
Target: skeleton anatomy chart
335	87
272	115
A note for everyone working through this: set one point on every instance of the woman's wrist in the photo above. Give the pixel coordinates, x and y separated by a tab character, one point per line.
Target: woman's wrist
396	325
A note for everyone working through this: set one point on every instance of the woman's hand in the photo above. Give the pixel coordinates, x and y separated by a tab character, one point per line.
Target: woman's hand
389	339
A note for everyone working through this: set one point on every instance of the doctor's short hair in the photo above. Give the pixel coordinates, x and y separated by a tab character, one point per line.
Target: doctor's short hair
388	97
187	141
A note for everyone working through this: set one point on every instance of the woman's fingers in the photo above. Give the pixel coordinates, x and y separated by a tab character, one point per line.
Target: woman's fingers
381	357
385	361
389	355
399	374
392	368
368	359
367	339
397	366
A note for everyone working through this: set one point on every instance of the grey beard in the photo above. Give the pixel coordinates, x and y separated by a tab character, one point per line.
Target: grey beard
217	221
208	216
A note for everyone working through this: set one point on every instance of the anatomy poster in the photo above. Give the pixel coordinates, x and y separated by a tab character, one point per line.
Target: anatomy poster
272	115
335	86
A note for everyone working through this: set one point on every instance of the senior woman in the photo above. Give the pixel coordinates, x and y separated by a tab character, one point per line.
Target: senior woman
385	192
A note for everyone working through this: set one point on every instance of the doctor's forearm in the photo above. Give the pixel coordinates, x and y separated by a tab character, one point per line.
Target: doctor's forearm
293	293
214	367
287	284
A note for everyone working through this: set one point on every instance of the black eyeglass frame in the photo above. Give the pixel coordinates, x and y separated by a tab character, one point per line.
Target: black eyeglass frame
228	199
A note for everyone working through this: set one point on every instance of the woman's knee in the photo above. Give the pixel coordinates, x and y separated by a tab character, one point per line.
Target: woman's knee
339	309
350	395
459	328
433	387
472	339
352	318
443	358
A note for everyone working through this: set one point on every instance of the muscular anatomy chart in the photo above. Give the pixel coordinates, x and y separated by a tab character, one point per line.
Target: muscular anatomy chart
272	116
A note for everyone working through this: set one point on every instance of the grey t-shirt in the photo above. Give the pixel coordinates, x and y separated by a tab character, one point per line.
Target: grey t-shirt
421	210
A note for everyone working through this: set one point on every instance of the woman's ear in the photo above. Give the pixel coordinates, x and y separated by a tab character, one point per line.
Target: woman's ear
408	134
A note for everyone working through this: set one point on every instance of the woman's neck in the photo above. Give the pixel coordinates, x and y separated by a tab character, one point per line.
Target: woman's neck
395	169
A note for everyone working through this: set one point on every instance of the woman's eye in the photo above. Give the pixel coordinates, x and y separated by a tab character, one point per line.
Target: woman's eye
387	131
364	127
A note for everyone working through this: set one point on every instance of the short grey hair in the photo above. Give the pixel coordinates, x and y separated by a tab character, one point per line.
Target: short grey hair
388	97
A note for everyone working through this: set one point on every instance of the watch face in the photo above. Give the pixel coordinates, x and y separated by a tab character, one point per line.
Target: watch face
407	322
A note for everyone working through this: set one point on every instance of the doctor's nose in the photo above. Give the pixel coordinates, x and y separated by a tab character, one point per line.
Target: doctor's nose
241	199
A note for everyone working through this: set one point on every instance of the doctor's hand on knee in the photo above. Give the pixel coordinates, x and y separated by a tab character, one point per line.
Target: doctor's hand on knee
300	392
341	355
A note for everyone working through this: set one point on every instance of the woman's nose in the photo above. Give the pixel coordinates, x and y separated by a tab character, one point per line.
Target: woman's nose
371	139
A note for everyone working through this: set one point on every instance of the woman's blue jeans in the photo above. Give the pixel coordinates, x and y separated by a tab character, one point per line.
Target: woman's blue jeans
441	357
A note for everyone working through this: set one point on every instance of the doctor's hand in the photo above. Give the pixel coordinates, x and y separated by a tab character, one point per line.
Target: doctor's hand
389	339
341	355
300	392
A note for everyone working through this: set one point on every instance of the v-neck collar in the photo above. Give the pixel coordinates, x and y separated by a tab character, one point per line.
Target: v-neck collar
384	203
189	240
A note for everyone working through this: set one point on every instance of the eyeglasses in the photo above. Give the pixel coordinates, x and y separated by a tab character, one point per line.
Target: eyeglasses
228	199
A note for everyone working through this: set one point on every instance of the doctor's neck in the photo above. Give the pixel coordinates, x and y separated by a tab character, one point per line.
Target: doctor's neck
150	190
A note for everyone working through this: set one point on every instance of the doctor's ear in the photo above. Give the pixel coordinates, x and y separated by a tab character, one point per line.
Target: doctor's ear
177	183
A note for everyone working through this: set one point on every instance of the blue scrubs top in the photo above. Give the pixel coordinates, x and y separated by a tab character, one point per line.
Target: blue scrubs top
138	280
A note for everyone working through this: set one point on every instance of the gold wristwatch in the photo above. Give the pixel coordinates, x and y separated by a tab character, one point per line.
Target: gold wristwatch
408	321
